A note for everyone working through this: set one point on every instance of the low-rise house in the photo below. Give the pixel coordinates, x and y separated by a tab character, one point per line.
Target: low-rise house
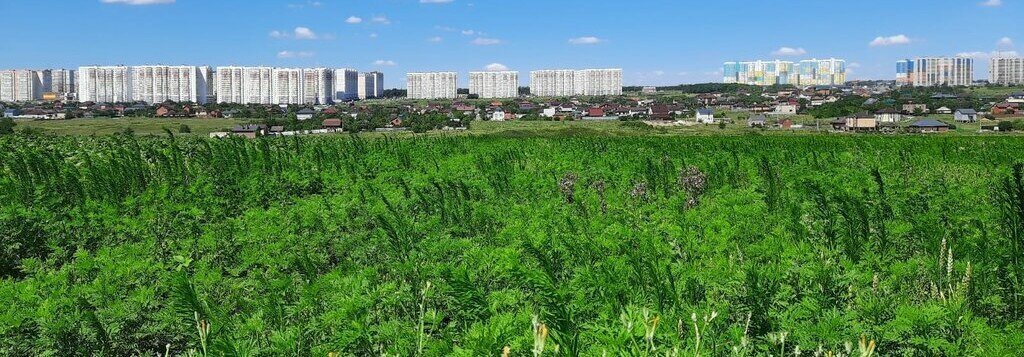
757	121
498	115
785	109
928	126
332	124
659	112
1016	97
911	108
965	116
862	122
786	124
705	115
249	130
549	112
305	114
944	110
1006	108
888	115
11	113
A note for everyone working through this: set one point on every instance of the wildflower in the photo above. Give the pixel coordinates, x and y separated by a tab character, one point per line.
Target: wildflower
639	191
568	187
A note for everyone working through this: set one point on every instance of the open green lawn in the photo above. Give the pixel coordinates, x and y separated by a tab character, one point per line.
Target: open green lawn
998	92
141	126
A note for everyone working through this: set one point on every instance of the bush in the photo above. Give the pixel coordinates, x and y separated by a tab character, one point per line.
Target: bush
184	129
6	126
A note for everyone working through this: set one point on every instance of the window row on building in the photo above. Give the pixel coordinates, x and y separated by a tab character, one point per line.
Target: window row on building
812	72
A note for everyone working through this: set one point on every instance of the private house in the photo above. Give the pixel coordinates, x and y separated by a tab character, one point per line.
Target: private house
1006	109
1016	97
944	110
660	112
861	122
786	124
706	116
331	124
757	121
965	116
549	112
305	114
928	126
888	115
912	108
785	109
10	113
498	115
250	131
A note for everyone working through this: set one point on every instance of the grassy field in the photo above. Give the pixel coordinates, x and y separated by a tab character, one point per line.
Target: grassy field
732	245
202	127
141	126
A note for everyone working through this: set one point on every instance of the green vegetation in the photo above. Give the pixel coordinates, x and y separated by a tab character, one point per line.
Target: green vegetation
571	245
140	126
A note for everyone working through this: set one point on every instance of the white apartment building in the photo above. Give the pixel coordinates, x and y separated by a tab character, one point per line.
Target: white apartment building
594	82
157	84
287	86
378	84
812	72
553	83
365	86
1006	71
317	86
588	82
432	85
18	85
257	85
938	71
346	85
231	85
105	84
63	83
496	84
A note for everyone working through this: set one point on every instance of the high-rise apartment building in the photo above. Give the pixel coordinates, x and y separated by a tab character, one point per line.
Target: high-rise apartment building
594	82
1006	71
811	72
432	85
63	83
565	82
346	85
378	84
905	72
503	84
365	86
286	85
105	84
18	85
267	85
317	86
157	84
939	71
553	83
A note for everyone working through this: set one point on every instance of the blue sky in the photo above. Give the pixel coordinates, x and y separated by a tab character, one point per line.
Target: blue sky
656	42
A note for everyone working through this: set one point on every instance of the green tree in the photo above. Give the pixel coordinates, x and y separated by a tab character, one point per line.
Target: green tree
6	126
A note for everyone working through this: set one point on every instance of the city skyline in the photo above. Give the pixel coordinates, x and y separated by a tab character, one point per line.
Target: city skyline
653	42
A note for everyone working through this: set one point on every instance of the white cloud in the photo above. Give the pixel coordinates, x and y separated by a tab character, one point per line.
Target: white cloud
468	32
354	20
658	73
1005	42
383	20
138	2
991	3
481	41
304	33
986	55
853	65
373	35
291	54
384	63
586	40
790	51
495	67
890	40
300	33
436	1
435	39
